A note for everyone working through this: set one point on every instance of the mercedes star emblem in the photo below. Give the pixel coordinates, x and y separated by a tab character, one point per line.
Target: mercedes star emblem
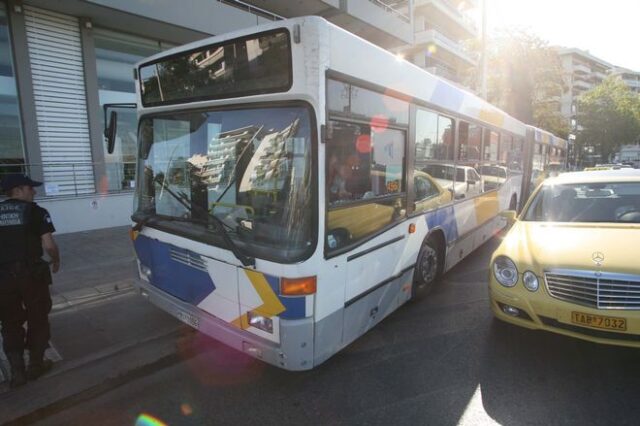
597	257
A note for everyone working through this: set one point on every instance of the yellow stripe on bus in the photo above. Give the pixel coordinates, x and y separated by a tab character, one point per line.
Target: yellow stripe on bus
494	117
487	206
271	305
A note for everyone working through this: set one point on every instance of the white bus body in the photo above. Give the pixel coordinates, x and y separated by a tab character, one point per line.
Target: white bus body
209	288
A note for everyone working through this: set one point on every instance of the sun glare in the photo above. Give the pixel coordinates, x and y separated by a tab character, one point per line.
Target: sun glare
571	23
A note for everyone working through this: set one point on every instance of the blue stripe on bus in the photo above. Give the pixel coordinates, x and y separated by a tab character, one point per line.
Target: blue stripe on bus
444	218
447	96
274	283
182	281
296	307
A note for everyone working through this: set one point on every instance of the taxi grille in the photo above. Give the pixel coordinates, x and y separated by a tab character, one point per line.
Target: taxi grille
595	289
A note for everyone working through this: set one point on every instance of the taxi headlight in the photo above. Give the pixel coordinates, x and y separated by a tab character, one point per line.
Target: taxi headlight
505	271
530	281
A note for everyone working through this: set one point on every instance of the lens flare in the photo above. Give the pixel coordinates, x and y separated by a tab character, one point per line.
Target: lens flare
186	409
148	420
379	123
363	144
215	364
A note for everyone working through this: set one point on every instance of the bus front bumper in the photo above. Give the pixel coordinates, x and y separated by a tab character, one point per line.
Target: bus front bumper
295	351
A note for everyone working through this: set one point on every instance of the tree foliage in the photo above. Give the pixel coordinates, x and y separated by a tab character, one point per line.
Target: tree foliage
525	79
609	115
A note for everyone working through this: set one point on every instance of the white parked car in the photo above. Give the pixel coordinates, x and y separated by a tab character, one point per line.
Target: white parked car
494	176
464	181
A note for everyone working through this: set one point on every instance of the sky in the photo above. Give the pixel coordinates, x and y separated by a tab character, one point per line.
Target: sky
608	29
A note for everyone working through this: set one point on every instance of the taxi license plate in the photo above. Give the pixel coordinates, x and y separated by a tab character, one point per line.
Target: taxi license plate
188	319
599	321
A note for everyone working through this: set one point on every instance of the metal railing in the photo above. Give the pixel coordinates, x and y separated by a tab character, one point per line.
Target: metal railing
252	9
391	7
76	179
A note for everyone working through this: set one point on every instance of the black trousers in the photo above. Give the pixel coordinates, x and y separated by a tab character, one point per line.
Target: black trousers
24	296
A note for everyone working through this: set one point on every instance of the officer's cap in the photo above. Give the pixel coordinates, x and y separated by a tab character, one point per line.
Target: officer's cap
12	180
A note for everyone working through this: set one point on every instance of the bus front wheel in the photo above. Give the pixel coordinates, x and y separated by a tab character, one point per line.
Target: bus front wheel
427	268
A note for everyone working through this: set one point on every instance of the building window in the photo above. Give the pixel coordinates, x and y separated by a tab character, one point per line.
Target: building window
116	53
12	157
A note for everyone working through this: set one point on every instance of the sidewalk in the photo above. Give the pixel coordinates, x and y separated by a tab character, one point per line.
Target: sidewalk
101	328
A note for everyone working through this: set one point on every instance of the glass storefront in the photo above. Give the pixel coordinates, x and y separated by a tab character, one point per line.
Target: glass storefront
116	53
12	156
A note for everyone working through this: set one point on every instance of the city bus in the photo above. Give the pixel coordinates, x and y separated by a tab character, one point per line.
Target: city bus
546	157
296	184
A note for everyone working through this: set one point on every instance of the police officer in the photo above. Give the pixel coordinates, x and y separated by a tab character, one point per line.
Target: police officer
25	228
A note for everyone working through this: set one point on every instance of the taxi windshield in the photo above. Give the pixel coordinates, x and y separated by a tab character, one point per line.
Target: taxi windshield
587	202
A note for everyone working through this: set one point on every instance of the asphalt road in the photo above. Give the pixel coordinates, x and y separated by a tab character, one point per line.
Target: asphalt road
440	361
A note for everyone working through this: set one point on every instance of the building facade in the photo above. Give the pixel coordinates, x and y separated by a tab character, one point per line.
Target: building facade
61	61
441	28
582	72
630	78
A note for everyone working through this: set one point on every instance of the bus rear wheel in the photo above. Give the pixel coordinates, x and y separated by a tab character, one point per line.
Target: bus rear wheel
427	268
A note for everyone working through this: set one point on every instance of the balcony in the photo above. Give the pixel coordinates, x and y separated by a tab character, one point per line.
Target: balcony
387	23
443	42
599	75
443	71
469	4
582	84
581	69
454	22
634	84
400	8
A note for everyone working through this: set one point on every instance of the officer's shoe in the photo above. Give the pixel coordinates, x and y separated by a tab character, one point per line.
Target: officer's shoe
18	375
37	369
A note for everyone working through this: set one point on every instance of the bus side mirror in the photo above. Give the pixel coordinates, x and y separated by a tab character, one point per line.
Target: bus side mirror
510	216
110	131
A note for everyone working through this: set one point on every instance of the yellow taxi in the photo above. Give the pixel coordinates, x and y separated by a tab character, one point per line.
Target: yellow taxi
571	262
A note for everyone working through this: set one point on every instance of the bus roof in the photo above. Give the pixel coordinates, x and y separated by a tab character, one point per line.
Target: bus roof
357	58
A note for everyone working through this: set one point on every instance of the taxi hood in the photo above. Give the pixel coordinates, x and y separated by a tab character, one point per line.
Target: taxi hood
541	246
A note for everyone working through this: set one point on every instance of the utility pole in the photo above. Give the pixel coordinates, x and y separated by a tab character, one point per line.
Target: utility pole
483	69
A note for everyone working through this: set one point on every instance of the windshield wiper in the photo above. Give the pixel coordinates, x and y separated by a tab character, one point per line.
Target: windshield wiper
235	166
218	224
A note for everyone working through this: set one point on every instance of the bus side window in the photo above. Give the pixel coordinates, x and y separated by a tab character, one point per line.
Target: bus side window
364	181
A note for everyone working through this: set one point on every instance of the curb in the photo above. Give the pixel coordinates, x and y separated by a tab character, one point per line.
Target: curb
83	296
76	298
94	375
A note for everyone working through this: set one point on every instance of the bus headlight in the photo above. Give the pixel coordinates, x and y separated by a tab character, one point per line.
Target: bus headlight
530	281
259	321
505	271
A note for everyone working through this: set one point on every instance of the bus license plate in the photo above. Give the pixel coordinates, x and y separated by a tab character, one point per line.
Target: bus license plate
599	321
188	319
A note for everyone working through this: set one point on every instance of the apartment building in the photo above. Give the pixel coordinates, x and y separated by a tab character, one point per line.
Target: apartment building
441	27
582	72
61	61
630	78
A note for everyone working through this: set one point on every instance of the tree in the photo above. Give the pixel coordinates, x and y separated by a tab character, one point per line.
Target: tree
610	117
525	79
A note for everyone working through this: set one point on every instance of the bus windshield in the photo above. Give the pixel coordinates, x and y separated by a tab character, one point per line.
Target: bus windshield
248	170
